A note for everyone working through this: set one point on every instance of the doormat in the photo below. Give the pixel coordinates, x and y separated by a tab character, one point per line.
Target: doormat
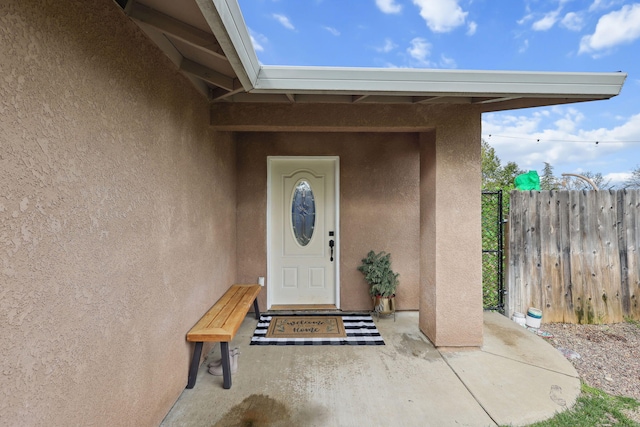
306	327
316	329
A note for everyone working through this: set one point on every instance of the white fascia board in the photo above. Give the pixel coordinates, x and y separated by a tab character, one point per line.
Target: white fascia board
225	20
227	24
327	80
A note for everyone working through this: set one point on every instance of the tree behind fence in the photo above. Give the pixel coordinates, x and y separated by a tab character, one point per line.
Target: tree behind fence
575	255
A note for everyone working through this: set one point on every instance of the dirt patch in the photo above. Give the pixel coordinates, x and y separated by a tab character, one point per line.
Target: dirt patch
508	336
609	354
633	415
412	346
256	410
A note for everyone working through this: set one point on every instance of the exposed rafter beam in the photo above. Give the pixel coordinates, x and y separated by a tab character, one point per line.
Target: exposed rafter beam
291	97
519	103
219	94
491	100
425	99
207	74
178	29
162	42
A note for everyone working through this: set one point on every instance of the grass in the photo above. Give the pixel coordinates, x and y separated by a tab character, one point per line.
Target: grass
632	321
594	408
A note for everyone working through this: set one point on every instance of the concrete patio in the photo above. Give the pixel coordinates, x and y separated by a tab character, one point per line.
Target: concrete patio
516	378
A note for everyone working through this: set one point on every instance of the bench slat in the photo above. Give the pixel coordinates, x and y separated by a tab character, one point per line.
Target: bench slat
223	320
215	313
210	335
242	308
222	309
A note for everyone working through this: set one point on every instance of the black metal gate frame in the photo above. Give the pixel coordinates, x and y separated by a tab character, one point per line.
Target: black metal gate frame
497	251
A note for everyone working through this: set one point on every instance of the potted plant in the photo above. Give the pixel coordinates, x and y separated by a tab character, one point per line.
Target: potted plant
376	268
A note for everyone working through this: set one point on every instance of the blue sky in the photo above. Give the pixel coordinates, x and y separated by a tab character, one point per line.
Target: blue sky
531	35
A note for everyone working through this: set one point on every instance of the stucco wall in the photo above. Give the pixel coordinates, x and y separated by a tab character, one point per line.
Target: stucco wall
117	217
451	289
379	204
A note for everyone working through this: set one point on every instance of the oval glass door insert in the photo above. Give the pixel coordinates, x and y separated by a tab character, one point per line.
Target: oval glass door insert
303	213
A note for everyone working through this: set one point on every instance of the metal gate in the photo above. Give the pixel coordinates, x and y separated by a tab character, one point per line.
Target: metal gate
492	251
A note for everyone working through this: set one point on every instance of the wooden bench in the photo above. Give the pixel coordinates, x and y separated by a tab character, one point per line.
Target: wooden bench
220	324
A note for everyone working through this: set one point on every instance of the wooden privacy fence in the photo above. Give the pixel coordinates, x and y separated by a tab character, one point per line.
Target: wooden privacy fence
574	255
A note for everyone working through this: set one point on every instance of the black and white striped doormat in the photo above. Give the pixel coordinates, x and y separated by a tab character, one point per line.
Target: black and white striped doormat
360	330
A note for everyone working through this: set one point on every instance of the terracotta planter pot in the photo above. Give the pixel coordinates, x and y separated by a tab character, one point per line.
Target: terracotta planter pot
384	305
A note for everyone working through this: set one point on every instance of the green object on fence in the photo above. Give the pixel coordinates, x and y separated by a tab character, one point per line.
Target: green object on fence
528	181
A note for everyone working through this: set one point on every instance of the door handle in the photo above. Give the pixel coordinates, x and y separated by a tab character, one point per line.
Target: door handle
331	245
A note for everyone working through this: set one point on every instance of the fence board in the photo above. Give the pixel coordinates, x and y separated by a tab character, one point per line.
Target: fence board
592	252
579	285
564	214
514	256
632	214
533	249
549	254
574	254
610	295
633	251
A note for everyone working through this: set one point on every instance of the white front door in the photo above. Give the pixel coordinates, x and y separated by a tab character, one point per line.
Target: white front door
302	230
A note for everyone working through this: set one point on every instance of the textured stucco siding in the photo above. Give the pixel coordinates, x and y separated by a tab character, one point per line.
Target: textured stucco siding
451	268
117	217
379	204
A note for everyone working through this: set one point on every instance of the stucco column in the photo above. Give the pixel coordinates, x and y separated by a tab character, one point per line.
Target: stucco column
450	232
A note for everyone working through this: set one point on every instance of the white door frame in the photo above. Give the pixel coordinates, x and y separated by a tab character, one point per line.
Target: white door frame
336	160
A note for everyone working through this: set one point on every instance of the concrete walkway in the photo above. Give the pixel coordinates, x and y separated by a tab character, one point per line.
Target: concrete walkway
516	378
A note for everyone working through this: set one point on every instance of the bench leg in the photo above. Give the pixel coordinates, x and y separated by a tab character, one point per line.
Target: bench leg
226	365
195	363
256	308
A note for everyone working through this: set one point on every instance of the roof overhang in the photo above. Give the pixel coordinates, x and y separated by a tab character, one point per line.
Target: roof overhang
210	43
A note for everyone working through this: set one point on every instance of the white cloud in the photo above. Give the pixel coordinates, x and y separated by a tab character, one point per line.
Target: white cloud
441	16
530	140
332	30
257	40
618	178
628	131
471	28
547	21
614	28
420	50
602	4
284	21
446	62
257	46
388	46
569	121
524	46
573	21
525	19
388	6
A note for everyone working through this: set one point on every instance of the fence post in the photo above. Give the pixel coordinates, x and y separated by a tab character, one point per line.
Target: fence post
508	309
